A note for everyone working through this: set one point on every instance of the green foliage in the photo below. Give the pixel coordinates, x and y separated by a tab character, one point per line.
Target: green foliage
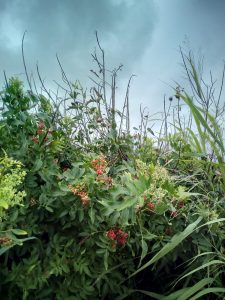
11	176
112	215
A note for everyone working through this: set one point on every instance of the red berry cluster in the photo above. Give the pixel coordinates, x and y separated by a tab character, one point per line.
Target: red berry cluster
149	204
41	129
78	191
178	205
117	235
173	214
99	165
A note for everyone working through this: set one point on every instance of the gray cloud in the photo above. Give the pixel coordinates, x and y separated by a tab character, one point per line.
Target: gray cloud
125	29
143	35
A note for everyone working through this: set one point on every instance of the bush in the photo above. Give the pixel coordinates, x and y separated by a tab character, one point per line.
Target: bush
112	215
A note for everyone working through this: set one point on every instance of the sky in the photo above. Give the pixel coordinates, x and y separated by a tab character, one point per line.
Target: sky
143	35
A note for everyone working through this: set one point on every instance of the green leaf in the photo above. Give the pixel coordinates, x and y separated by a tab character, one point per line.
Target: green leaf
195	288
18	231
4	249
183	195
144	247
126	203
175	241
91	214
207	291
48	208
211	222
147	293
37	165
210	263
106	255
4	204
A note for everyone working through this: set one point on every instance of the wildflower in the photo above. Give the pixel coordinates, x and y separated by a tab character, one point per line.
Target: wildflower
35	139
151	206
40	131
122	238
78	191
99	172
105	179
111	234
174	214
117	235
99	164
41	125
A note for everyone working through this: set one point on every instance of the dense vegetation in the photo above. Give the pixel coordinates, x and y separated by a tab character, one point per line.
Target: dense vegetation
92	208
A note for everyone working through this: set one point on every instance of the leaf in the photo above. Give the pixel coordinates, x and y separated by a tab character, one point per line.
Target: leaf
144	247
175	241
126	203
210	263
182	194
106	255
175	295
48	208
211	222
28	239
207	291
4	249
18	231
91	214
195	288
195	139
129	292
37	165
4	204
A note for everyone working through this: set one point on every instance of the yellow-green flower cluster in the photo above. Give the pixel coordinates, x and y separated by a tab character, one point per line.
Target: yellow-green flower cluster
160	175
11	176
143	169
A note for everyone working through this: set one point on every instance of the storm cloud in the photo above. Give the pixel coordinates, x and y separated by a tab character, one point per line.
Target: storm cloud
125	30
143	35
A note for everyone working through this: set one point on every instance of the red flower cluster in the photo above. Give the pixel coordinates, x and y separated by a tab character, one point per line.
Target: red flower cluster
41	130
150	205
105	179
173	214
99	165
117	235
179	204
78	191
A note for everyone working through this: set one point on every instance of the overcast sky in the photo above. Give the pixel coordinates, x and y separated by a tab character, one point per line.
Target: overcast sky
143	35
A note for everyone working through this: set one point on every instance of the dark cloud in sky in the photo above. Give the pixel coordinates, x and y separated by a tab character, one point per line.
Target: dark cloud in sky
144	35
67	27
